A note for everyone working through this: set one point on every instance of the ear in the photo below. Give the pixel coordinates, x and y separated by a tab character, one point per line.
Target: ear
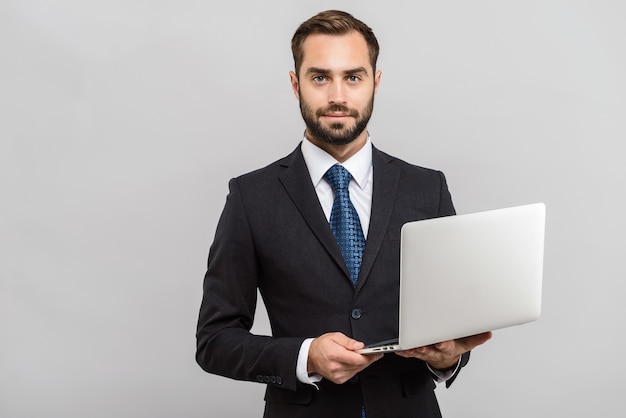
377	80
295	84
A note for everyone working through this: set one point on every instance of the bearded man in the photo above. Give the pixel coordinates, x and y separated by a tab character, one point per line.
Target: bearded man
317	233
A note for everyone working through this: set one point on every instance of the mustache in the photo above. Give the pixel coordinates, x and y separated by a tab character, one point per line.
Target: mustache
337	108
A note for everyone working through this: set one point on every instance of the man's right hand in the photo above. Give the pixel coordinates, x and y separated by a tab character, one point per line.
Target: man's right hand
333	357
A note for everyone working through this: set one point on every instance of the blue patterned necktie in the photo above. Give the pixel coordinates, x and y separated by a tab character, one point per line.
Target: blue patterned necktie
344	221
346	225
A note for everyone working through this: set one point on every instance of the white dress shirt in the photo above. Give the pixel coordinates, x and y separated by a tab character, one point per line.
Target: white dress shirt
359	165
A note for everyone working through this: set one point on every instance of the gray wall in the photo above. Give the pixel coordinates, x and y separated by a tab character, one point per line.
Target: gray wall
122	121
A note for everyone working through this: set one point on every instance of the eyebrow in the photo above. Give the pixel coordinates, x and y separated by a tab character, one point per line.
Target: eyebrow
324	71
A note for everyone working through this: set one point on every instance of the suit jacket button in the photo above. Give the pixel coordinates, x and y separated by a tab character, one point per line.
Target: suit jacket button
356	313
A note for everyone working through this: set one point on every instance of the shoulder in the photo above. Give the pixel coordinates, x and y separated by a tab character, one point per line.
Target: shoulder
268	182
424	186
382	158
271	170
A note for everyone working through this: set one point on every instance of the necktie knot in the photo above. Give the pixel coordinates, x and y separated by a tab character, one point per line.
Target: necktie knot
338	177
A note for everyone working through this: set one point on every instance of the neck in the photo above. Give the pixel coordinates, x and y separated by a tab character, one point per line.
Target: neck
343	152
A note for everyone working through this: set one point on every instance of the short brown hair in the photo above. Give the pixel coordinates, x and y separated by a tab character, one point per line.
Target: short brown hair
332	22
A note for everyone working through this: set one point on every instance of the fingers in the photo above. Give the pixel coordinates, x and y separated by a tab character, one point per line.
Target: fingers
479	339
446	346
438	358
446	354
471	342
332	356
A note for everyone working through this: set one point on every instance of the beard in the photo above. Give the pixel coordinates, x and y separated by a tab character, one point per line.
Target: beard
336	133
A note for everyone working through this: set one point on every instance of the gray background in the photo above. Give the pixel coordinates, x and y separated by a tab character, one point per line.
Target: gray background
122	121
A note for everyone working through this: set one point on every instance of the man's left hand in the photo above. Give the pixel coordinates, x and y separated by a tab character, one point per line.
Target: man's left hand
445	355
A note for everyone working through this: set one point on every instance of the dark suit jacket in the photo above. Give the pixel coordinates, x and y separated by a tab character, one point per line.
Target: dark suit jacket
273	236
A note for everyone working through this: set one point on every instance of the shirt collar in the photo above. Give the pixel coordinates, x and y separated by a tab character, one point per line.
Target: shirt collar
319	161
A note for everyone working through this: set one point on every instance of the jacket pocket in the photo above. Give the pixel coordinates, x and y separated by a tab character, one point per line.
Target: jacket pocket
301	396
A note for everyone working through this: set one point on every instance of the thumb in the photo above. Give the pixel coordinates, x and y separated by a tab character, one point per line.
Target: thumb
347	342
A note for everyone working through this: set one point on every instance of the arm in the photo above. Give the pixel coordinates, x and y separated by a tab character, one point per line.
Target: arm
224	344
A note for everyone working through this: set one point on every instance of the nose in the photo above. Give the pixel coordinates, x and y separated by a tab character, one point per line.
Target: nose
336	93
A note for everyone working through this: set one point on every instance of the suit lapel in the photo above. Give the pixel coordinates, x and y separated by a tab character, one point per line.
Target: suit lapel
297	182
386	178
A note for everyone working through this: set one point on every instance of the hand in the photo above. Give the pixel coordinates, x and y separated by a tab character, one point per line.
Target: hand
445	355
332	356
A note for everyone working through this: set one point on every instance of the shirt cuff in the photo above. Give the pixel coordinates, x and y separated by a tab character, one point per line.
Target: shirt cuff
301	367
441	376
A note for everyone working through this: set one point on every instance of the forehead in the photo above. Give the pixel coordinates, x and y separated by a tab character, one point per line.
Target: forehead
335	52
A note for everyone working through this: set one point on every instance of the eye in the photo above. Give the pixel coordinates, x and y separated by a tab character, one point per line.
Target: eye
319	79
354	79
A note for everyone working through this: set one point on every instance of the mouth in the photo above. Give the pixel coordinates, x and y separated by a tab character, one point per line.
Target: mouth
337	115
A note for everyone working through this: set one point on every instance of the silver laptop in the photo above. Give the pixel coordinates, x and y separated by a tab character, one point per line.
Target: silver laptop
467	274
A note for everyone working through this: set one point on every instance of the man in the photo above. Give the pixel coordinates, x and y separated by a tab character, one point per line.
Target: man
278	233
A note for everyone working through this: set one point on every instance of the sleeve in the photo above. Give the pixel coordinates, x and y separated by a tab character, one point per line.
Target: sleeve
301	371
463	362
225	345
